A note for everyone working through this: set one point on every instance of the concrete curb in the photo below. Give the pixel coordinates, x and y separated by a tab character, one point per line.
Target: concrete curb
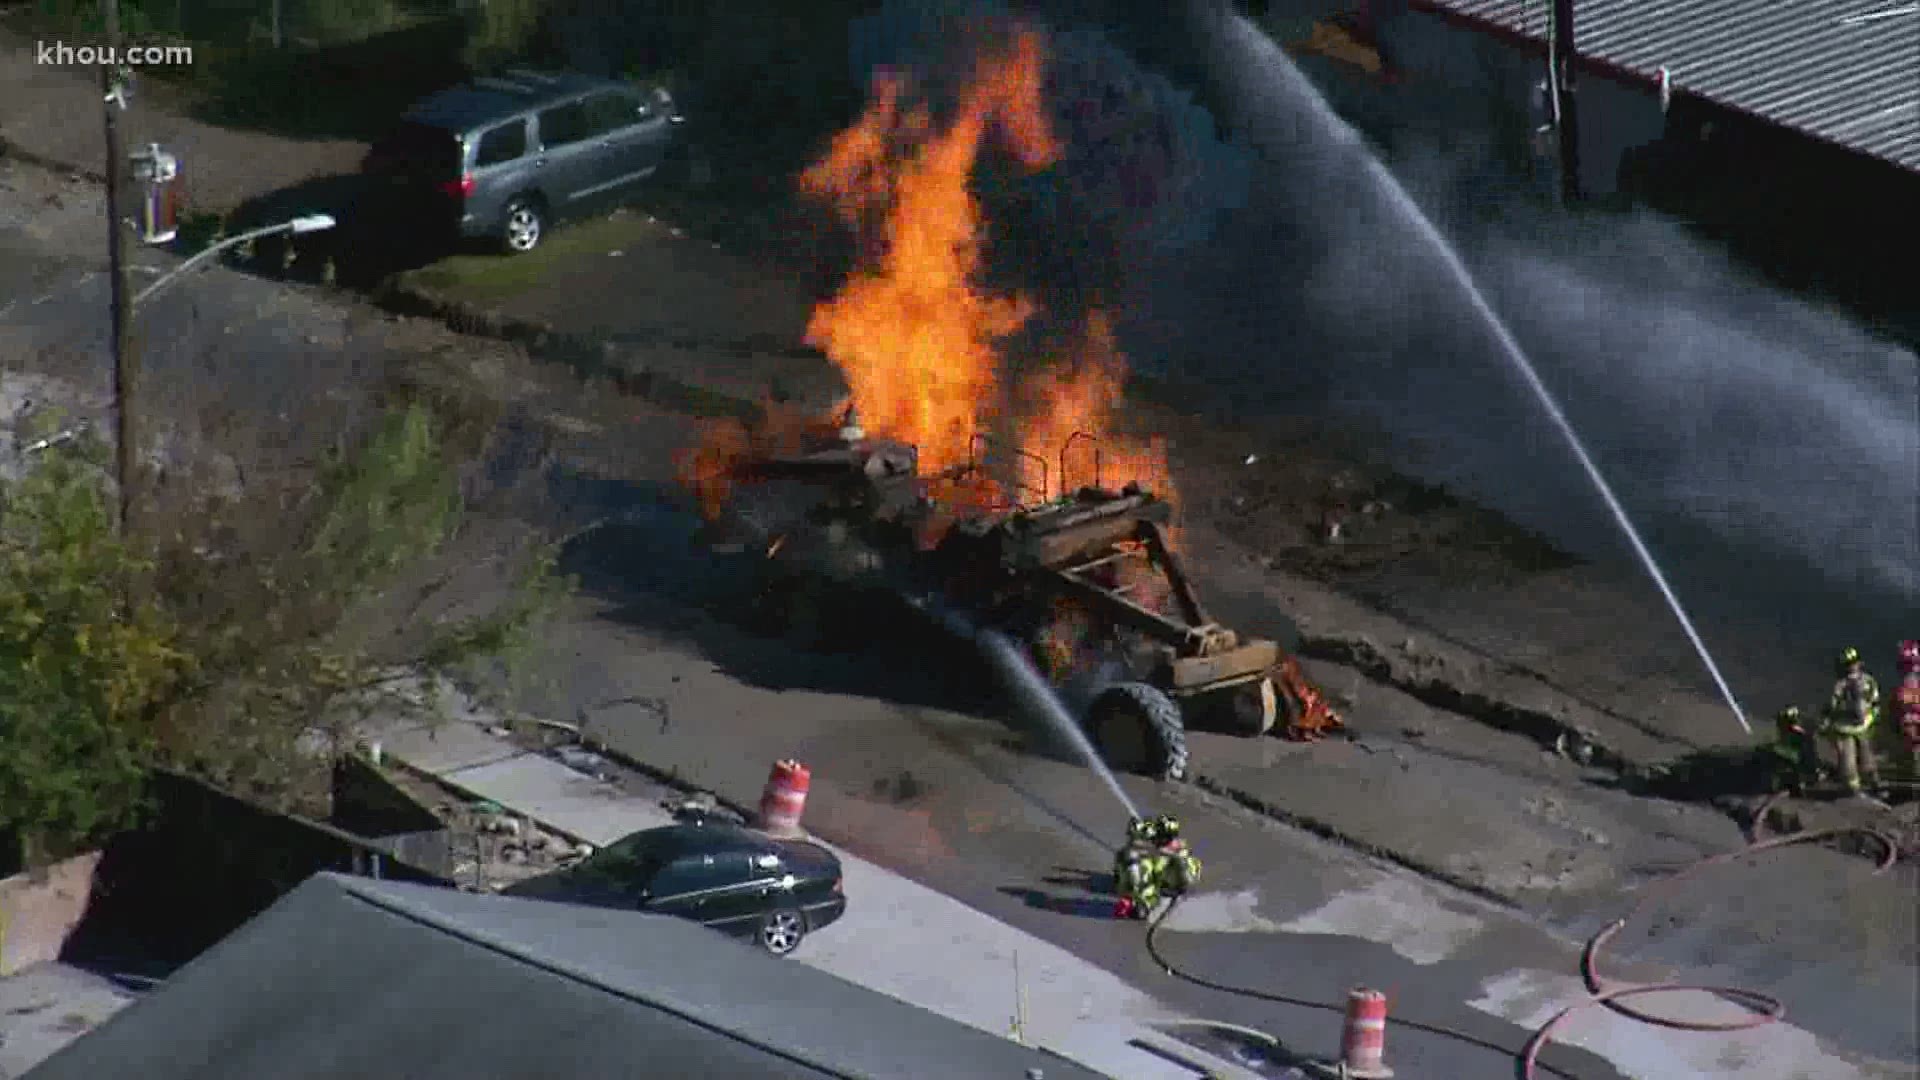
1367	658
590	356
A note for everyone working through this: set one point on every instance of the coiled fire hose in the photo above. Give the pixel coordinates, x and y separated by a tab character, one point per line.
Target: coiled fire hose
1615	996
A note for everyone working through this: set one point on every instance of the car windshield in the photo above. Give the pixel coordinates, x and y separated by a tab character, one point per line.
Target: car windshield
630	860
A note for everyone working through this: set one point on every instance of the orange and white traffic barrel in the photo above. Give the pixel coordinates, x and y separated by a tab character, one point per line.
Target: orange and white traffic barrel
1363	1038
785	798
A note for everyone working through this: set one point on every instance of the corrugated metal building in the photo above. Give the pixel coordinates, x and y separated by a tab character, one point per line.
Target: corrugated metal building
351	979
1845	71
1841	73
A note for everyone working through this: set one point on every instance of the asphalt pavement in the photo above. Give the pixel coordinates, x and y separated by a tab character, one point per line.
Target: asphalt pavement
944	798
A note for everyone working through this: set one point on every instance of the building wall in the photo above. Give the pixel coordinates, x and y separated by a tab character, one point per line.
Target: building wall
1493	78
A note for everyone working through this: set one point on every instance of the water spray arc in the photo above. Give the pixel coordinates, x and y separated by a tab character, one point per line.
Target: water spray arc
1032	688
1029	688
1250	43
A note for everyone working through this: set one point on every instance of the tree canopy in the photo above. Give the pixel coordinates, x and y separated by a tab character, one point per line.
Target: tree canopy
247	654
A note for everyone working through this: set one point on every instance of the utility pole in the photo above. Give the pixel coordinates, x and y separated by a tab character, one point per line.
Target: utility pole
113	85
1562	60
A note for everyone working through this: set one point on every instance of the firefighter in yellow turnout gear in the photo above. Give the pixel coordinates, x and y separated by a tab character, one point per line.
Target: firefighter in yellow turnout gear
1849	722
1155	863
1136	872
1179	866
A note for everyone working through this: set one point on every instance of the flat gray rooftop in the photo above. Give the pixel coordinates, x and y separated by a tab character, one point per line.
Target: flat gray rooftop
350	978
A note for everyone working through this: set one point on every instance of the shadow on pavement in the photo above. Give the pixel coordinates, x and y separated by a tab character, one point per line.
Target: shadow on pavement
369	242
1086	907
645	556
1093	881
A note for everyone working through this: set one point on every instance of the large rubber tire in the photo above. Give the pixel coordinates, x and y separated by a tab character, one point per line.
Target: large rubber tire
1138	728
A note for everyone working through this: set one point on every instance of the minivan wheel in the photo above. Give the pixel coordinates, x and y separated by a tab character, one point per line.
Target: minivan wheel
524	226
781	931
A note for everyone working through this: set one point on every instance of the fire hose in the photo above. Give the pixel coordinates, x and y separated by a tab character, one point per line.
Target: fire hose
1763	1008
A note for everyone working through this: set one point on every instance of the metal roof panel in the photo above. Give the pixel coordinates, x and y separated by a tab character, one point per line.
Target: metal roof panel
1847	71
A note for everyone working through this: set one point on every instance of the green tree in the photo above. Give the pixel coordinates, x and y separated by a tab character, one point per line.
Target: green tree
80	671
277	618
317	621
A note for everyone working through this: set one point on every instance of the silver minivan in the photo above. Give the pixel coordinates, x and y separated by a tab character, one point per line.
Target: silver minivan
504	157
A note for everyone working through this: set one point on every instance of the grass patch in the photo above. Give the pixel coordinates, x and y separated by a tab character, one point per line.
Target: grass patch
485	277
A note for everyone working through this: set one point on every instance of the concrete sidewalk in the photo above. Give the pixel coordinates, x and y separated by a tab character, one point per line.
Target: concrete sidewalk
898	937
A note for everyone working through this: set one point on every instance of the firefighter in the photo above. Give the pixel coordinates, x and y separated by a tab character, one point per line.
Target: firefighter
1849	722
1180	868
1136	871
1907	700
1797	757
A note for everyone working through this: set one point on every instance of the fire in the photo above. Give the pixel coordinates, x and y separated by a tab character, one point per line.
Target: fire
913	336
707	469
1070	413
917	338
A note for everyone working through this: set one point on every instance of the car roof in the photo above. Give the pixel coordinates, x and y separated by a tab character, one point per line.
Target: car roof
724	836
491	98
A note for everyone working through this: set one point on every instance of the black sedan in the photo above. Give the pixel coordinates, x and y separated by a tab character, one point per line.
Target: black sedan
738	881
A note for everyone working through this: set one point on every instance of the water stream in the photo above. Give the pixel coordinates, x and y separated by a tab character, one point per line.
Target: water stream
1026	683
1253	51
1031	691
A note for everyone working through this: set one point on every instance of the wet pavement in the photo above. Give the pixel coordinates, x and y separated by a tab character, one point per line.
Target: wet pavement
913	771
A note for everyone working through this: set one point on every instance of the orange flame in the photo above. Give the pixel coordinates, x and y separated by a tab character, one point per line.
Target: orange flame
913	336
1069	419
707	470
917	338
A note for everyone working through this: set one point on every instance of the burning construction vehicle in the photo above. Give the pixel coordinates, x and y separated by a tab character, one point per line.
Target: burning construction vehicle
1004	503
1084	578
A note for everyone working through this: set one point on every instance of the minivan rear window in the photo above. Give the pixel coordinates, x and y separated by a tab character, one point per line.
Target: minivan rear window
419	150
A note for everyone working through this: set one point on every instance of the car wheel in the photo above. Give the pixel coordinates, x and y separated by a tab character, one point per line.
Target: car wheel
781	931
523	226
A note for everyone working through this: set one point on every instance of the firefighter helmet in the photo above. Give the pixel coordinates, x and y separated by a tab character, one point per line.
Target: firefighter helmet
1849	656
1140	829
1167	827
